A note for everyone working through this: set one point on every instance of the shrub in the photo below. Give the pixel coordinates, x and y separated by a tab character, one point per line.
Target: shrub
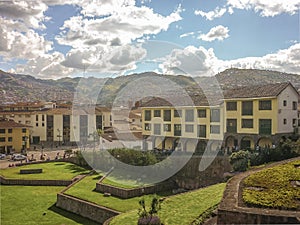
239	160
149	217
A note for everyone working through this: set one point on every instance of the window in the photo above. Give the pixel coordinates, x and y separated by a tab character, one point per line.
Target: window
265	105
284	103
295	104
294	122
167	127
247	108
214	129
201	113
2	131
157	129
284	121
10	139
2	139
215	115
177	129
189	128
156	113
189	115
167	115
231	106
37	117
43	117
201	131
265	126
147	115
177	113
43	124
247	123
231	125
23	130
147	126
10	131
36	124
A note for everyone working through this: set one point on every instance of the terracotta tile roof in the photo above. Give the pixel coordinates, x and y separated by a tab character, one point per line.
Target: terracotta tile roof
257	91
4	123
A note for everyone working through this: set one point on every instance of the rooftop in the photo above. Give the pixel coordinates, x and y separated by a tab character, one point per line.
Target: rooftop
5	123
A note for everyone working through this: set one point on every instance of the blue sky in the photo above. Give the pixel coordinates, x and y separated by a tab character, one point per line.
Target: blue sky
53	39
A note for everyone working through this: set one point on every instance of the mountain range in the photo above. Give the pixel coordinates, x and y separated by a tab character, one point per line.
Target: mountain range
24	88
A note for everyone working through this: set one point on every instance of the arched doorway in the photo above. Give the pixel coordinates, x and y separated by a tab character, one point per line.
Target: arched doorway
201	146
231	142
247	143
158	143
190	145
265	142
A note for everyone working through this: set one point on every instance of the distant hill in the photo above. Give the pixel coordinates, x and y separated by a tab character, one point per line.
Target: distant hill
18	87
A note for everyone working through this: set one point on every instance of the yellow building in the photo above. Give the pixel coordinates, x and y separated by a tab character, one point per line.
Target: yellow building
14	137
247	117
260	115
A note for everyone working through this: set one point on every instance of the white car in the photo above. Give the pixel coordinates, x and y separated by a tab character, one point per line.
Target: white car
18	157
2	156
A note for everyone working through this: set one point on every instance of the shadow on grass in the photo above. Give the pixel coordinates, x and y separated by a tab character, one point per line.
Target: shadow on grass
76	169
98	177
72	216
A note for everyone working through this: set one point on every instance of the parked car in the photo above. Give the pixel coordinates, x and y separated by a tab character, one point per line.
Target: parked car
18	157
2	156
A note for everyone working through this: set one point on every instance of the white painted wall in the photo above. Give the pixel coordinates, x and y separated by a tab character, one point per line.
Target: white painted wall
287	112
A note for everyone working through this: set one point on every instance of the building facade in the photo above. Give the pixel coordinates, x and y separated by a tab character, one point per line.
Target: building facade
247	117
54	126
14	137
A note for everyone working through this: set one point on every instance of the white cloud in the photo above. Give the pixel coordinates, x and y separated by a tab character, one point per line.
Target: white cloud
267	8
211	15
286	60
128	24
45	66
25	44
186	34
202	62
216	33
114	59
31	13
190	60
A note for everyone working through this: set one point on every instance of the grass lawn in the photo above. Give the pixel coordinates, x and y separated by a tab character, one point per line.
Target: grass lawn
84	190
180	209
28	205
273	187
51	171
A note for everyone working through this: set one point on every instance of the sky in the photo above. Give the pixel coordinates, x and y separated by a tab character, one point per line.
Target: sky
51	39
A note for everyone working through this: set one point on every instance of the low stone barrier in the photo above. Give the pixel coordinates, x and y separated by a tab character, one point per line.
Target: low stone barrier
134	192
30	171
8	181
231	211
85	209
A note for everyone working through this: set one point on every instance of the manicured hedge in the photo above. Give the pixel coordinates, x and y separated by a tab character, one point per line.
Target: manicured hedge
274	187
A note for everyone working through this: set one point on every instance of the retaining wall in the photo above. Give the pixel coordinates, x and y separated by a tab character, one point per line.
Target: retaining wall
134	192
8	181
232	211
85	209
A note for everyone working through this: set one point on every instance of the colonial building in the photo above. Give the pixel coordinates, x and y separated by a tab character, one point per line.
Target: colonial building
54	126
14	137
247	117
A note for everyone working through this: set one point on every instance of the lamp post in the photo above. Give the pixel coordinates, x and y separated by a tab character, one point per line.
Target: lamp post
24	150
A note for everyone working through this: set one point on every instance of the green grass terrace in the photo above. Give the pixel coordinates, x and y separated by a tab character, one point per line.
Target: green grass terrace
185	209
275	187
51	171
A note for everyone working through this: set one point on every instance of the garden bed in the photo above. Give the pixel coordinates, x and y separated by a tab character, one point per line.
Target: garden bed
274	187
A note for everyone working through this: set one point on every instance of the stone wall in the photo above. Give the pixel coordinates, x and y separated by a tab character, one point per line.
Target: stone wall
134	192
85	209
232	211
7	181
189	177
